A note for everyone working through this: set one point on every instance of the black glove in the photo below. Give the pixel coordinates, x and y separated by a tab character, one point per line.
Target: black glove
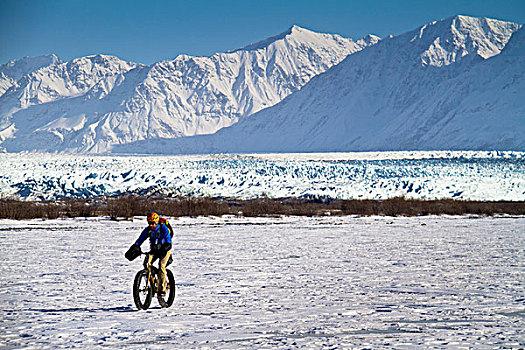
155	248
133	252
164	248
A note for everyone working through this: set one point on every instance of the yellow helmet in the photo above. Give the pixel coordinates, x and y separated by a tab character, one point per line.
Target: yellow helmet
153	217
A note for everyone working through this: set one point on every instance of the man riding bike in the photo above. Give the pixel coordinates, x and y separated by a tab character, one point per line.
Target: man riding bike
160	247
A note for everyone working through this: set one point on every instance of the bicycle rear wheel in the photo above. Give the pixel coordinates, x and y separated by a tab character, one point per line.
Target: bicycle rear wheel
142	290
167	301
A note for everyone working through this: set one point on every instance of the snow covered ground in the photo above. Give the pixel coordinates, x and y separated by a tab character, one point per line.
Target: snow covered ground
364	282
373	175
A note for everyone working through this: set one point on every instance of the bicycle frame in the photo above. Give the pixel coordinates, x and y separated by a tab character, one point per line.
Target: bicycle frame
152	276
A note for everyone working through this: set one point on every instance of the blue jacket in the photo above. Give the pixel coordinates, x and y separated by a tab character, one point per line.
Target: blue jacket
157	237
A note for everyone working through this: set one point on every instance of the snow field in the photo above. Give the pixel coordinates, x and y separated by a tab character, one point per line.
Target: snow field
287	282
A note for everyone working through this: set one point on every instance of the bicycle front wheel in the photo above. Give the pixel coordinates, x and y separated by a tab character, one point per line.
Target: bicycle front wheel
142	290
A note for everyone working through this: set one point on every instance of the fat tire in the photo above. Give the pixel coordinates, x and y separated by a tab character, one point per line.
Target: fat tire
142	274
171	291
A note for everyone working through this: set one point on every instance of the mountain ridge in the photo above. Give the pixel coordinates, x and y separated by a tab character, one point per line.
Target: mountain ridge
397	105
185	96
298	91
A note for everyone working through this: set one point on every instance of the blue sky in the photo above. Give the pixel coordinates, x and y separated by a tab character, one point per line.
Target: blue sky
149	31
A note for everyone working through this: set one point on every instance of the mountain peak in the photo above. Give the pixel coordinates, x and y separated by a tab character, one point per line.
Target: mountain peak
368	40
98	58
464	18
42	60
297	29
14	70
294	31
445	41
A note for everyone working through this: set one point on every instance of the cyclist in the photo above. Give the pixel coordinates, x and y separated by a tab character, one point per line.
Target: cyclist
160	247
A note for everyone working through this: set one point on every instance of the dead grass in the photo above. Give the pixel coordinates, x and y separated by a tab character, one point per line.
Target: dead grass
128	206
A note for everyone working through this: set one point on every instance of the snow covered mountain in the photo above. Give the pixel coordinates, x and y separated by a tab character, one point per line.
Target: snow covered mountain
14	70
39	109
94	102
445	85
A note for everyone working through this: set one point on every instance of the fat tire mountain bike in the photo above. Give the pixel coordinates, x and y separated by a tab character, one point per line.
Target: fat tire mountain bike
145	286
